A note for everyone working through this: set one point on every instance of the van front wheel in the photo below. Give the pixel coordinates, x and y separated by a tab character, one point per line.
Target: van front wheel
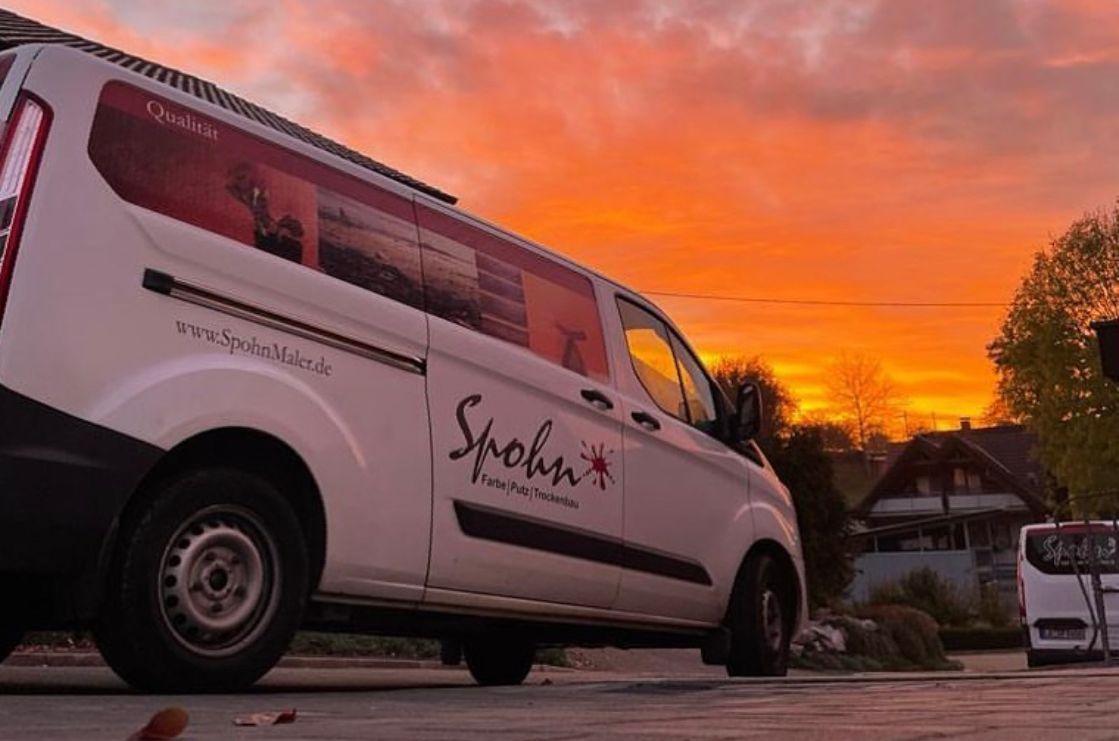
495	661
208	586
760	619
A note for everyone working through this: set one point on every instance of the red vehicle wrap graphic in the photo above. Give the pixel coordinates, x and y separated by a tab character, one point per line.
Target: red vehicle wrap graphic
168	158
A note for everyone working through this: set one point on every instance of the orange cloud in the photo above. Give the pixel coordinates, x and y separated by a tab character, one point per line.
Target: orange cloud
833	151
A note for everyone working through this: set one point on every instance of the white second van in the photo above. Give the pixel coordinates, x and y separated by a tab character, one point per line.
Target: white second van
1056	597
251	381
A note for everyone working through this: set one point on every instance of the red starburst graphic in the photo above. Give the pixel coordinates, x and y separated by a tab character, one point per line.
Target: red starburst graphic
599	467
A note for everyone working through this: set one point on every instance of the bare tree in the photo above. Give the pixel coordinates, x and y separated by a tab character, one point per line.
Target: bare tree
862	393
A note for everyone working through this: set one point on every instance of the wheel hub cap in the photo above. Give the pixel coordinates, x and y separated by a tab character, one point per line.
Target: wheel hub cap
773	622
218	581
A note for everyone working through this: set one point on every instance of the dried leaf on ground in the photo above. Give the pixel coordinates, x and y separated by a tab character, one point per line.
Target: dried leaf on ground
166	724
266	719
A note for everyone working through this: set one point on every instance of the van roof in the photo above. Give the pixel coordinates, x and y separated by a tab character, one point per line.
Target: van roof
15	30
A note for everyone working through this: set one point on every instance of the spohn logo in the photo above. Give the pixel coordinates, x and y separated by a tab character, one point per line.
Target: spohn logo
168	116
531	456
598	467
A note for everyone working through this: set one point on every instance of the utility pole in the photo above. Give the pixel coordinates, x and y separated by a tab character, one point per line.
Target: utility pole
1097	590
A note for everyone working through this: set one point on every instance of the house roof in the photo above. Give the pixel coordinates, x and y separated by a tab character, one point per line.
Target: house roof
15	30
1005	452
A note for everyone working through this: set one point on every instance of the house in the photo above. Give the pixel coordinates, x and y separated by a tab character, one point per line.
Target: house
952	501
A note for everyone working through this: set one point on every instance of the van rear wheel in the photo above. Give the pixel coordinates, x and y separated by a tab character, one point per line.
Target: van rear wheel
760	619
208	586
498	661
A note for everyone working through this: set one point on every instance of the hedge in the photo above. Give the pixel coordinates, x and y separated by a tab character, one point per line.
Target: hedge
981	639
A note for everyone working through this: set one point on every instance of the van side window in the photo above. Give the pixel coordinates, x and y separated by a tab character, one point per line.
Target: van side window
697	388
651	352
480	280
173	160
369	248
673	377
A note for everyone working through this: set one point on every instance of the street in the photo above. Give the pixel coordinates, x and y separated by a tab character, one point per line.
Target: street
90	703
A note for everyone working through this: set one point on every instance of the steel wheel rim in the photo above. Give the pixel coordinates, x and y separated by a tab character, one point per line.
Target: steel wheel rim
219	581
773	622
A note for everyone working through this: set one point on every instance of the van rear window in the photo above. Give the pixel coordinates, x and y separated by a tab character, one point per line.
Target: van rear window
1053	552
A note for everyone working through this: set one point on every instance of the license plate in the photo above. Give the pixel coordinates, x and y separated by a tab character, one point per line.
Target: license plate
1062	634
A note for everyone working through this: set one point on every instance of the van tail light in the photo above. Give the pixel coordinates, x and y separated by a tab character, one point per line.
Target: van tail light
24	136
1021	588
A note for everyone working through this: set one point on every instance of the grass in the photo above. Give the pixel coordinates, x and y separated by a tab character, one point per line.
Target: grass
305	643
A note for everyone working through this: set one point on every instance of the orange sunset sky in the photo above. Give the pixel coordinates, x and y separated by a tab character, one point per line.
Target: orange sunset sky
835	151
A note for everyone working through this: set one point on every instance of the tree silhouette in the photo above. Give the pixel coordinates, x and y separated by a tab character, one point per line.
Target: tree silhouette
799	455
1048	362
778	404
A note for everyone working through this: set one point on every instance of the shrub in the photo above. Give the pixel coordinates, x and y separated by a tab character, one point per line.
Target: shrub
981	639
925	590
989	607
871	643
913	632
880	638
310	643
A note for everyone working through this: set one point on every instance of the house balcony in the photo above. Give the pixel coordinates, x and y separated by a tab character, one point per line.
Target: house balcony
921	505
934	504
971	502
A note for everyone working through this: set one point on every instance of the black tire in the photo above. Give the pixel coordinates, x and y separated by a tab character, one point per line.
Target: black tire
208	586
11	634
1041	659
761	618
495	661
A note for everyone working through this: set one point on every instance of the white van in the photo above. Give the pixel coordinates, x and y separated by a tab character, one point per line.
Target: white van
252	381
1056	599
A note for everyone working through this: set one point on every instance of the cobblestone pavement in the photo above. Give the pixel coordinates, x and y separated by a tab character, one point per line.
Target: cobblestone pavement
89	703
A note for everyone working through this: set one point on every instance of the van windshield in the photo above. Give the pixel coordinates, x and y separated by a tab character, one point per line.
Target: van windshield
1052	551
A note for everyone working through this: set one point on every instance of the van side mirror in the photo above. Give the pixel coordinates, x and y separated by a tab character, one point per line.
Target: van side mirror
1108	334
748	413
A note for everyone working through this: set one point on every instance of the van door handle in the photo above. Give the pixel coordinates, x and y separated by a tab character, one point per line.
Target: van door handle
598	399
646	420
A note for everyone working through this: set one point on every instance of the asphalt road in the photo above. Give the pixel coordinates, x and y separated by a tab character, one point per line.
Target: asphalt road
418	704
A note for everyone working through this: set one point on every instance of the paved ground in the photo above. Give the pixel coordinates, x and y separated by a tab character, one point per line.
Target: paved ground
418	704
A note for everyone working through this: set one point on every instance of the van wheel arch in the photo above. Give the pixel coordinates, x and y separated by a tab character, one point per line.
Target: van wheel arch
776	551
249	450
762	613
